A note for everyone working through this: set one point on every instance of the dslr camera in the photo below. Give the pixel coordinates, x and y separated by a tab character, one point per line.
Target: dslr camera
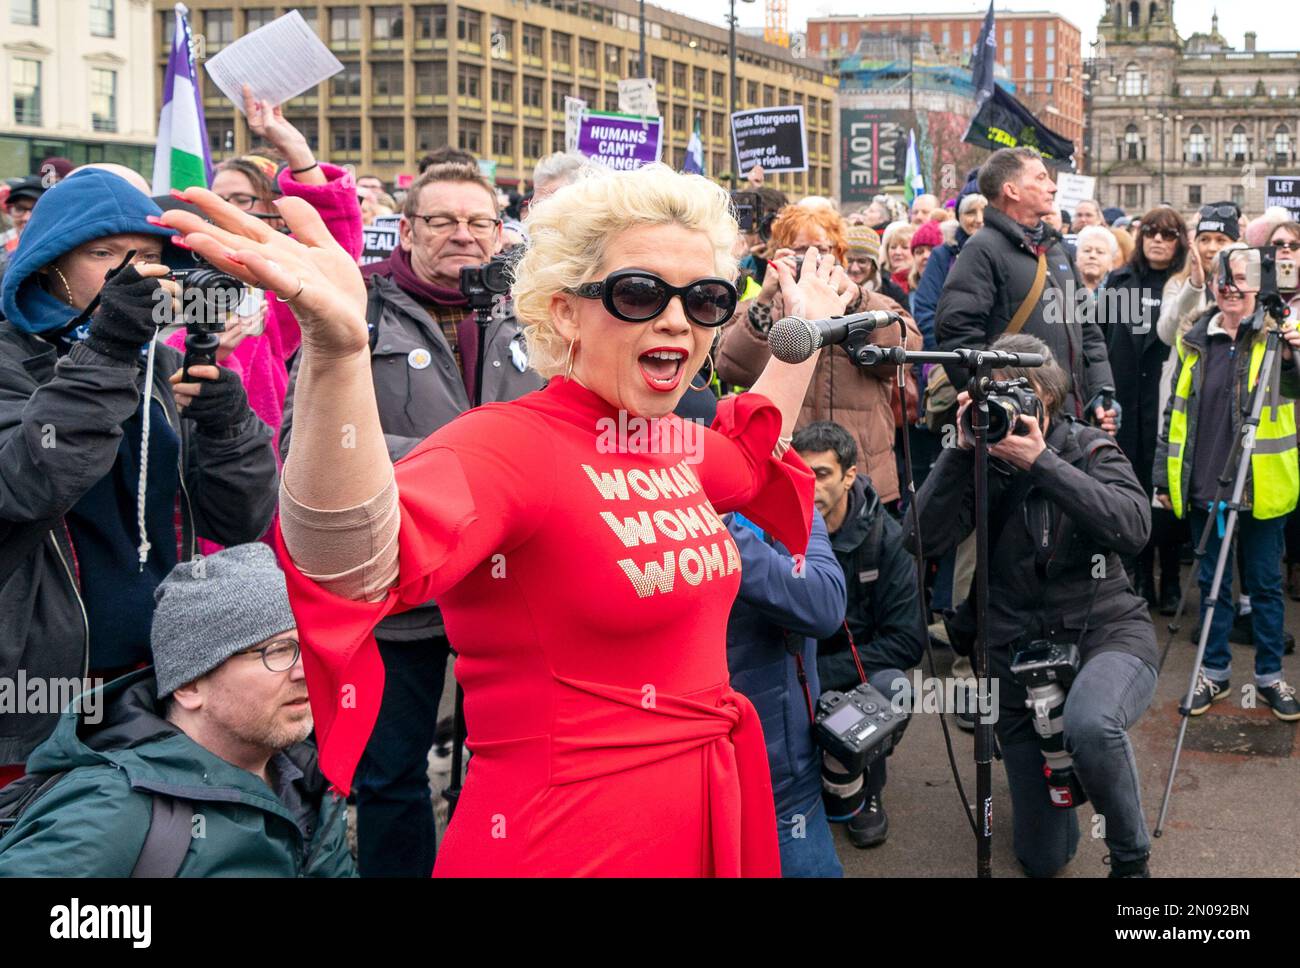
857	728
208	298
1046	668
482	284
751	216
1008	401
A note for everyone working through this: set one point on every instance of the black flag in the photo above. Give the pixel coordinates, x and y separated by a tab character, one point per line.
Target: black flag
1003	122
981	62
1000	120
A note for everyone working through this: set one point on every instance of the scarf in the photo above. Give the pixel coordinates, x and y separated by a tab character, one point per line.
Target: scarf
1034	235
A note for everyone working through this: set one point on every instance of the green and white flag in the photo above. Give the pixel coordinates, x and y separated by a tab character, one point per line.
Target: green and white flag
182	158
913	183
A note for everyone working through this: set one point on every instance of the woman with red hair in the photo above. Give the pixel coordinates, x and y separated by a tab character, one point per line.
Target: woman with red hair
860	399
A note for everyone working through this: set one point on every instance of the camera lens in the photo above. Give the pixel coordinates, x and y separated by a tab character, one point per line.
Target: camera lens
496	277
209	296
1003	414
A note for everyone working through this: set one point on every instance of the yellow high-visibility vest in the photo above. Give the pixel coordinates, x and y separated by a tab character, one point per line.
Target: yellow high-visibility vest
1275	475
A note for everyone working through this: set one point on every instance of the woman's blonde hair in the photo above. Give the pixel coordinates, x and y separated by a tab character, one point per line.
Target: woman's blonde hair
895	233
570	233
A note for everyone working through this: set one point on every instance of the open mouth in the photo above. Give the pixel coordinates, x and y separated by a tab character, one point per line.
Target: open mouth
662	367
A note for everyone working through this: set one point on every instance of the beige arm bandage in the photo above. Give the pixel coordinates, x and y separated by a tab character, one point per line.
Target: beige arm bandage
351	552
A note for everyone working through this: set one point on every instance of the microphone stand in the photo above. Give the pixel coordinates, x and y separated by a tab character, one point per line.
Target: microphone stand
981	364
451	793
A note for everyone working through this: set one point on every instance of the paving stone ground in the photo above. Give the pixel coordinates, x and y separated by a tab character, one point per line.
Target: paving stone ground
1235	809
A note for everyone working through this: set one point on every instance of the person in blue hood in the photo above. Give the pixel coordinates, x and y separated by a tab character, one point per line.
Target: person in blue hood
101	495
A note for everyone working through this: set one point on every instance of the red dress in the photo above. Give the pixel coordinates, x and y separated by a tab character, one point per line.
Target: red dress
587	592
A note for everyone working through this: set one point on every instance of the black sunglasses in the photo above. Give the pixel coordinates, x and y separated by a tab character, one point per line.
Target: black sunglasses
636	296
1168	235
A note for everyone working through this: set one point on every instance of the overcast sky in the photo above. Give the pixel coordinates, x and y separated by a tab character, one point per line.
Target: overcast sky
1235	16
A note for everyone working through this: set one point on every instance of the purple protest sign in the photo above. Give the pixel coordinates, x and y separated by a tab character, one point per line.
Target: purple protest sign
620	141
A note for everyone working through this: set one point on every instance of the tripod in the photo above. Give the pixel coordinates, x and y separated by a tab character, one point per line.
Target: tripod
981	364
451	793
1238	464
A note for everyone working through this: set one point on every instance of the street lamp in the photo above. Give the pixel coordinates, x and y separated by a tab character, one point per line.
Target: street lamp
735	92
1163	119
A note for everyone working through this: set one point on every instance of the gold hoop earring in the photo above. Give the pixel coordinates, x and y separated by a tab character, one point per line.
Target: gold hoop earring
712	372
63	279
568	361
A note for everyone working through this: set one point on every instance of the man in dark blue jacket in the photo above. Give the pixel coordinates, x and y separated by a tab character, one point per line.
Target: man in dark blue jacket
883	615
785	604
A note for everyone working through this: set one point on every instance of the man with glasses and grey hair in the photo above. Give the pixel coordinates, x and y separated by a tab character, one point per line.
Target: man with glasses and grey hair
198	767
423	355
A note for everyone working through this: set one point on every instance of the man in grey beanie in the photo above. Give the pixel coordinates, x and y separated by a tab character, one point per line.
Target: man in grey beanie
215	734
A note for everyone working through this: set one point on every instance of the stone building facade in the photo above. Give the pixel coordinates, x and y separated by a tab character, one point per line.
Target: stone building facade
1186	121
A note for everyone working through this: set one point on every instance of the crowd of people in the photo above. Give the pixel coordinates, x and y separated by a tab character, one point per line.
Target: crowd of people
259	565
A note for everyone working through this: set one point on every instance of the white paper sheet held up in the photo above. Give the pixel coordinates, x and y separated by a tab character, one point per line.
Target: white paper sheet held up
278	61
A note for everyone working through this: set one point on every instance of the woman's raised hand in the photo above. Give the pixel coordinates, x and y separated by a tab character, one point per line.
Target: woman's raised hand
310	271
814	295
267	121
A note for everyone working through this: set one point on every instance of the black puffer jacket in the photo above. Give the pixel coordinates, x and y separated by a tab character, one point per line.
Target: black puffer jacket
227	495
989	282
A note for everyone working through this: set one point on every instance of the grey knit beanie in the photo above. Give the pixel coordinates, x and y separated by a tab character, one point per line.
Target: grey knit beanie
210	608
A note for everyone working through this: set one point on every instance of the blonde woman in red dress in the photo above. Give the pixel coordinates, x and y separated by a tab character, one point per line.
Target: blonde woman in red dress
582	571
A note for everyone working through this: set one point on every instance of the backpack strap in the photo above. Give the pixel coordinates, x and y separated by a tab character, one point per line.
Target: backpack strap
866	556
168	839
1031	299
374	311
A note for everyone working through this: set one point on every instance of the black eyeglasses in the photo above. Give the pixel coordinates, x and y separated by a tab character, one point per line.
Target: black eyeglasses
241	200
277	656
1287	246
1221	211
636	296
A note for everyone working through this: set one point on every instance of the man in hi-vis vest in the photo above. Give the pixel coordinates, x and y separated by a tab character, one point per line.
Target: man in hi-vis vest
1219	366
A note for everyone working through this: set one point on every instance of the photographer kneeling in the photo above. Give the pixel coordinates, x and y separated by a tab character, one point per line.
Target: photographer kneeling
1064	504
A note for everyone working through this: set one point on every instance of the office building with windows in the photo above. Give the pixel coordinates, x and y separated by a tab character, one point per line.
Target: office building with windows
1040	52
78	82
491	76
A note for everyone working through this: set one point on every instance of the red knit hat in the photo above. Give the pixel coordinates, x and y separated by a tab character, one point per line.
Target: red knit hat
929	234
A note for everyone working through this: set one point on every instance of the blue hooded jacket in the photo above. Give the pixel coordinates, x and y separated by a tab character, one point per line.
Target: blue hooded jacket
117	593
89	205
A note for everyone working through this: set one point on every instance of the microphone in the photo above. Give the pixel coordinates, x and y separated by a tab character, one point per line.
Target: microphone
793	339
